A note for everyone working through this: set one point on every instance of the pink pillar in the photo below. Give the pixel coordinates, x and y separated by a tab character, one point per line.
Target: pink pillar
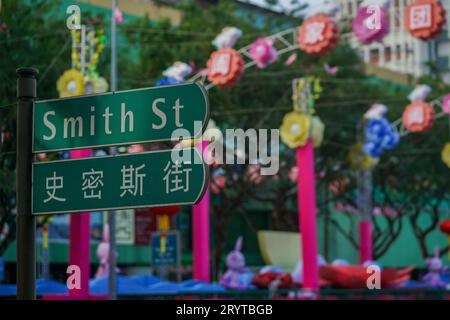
200	233
307	215
365	241
80	234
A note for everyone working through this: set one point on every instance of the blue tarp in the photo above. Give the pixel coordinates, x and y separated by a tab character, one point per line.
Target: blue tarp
46	286
126	285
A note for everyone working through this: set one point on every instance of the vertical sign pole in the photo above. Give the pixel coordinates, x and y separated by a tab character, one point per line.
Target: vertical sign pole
80	227
365	208
306	191
307	215
200	228
26	223
111	216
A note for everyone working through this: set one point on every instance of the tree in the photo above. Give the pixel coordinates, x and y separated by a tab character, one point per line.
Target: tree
33	38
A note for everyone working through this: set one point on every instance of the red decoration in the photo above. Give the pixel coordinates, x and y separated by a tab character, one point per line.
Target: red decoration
445	227
225	67
263	280
318	34
337	186
418	116
424	19
168	210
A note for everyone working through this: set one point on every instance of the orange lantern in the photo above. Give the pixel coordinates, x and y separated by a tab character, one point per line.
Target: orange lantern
418	116
318	34
424	19
225	67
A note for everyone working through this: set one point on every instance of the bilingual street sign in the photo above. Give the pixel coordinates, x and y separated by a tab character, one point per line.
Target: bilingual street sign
147	179
122	117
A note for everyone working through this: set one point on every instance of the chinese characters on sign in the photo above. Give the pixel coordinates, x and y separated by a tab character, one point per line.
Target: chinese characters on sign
420	17
221	64
113	182
314	32
424	19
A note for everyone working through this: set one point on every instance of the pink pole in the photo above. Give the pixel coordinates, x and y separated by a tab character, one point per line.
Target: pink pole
365	241
307	215
80	234
200	226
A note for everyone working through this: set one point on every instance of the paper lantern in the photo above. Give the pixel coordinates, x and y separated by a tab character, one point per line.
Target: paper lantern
418	116
294	130
445	154
446	104
225	67
318	35
263	52
424	19
365	29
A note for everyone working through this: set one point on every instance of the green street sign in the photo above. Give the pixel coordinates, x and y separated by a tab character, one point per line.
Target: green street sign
148	179
122	117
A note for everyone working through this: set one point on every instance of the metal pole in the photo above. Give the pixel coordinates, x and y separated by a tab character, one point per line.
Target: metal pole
112	281
113	47
26	223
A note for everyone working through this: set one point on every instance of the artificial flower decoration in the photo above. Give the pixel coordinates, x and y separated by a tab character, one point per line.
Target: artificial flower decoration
424	19
317	131
446	104
293	174
263	52
377	128
337	186
166	82
71	84
136	148
373	148
227	38
445	154
376	111
99	85
225	67
359	159
380	135
3	27
254	174
418	116
294	130
318	34
419	93
218	180
178	71
371	22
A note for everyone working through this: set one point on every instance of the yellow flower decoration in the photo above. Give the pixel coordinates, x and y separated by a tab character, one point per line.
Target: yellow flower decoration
70	84
359	159
294	130
100	85
317	131
445	155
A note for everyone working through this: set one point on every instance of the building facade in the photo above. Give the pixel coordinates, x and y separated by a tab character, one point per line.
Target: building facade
399	51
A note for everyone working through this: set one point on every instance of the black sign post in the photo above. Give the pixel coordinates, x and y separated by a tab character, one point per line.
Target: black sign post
26	224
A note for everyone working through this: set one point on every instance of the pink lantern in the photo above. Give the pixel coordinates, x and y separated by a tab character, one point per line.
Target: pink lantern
263	52
446	104
369	26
